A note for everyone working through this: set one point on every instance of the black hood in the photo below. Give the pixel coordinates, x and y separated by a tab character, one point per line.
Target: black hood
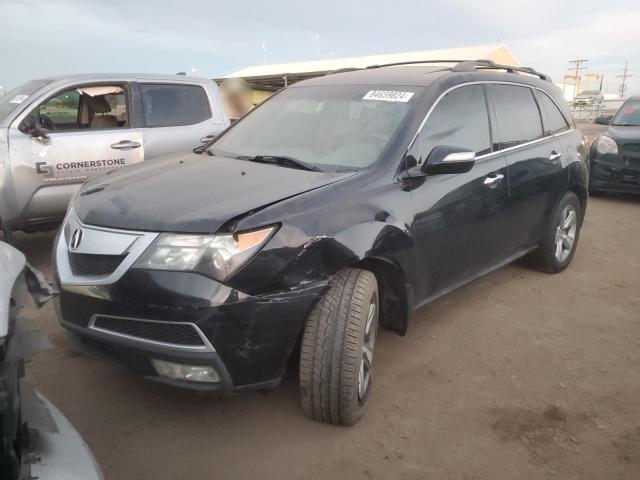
624	135
190	193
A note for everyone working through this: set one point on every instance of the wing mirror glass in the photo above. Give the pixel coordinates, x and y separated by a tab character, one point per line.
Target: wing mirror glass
445	159
604	119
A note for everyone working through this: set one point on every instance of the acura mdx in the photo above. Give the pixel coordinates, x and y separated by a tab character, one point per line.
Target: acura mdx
341	203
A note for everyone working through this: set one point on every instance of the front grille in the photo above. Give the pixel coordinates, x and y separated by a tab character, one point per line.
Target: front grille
86	265
633	163
173	333
631	147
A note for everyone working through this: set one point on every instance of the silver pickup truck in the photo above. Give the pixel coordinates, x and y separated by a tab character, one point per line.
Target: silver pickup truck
57	132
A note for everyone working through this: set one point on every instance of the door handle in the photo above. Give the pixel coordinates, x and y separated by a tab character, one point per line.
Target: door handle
125	145
207	139
555	155
493	179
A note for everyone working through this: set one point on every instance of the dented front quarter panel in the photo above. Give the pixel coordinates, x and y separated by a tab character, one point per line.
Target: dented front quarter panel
326	234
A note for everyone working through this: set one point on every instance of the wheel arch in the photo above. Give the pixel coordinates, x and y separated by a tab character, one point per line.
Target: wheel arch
394	292
581	193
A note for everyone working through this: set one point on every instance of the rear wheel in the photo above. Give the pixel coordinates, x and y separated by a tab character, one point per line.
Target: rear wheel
336	356
556	250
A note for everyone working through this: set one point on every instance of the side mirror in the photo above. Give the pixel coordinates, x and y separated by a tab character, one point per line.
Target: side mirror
31	126
446	159
39	134
604	119
208	138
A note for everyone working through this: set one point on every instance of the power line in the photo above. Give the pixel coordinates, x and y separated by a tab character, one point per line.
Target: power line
578	68
625	75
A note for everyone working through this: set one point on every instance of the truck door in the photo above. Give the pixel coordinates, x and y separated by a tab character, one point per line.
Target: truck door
178	117
78	133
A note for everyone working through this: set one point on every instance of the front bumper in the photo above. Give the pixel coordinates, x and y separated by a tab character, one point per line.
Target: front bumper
614	173
250	338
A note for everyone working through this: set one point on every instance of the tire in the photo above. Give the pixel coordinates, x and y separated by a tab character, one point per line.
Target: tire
562	230
336	354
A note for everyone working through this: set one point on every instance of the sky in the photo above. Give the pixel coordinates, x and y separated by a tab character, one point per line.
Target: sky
39	38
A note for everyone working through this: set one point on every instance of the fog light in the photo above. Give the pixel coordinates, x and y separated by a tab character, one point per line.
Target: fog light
190	373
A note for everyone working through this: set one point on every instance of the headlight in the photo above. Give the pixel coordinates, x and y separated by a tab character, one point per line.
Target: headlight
217	256
606	145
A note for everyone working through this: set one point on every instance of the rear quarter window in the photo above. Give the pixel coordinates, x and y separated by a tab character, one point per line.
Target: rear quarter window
174	105
552	119
517	115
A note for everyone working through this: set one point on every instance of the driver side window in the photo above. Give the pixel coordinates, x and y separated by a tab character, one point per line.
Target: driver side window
62	111
86	107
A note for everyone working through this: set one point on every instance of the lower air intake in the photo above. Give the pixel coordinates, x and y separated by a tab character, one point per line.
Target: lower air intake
178	334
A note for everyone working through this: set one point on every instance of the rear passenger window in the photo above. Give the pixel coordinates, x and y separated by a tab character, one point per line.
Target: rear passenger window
552	119
517	115
459	120
174	105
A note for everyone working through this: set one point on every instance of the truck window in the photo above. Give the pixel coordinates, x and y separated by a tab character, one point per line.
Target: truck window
174	105
61	111
87	107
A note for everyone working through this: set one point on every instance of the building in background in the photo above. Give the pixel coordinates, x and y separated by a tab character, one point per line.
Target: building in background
265	80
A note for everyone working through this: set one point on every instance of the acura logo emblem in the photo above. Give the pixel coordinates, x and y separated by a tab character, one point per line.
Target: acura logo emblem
76	239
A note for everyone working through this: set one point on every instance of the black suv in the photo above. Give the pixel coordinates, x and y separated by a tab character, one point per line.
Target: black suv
341	202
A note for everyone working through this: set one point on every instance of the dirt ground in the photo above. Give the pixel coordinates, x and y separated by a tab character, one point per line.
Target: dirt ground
519	375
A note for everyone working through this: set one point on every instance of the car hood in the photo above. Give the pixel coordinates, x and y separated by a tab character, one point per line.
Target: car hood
190	193
624	135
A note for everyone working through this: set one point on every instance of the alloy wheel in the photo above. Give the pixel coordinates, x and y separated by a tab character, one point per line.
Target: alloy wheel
366	361
566	233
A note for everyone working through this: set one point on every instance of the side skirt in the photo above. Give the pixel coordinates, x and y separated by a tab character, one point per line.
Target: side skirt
512	258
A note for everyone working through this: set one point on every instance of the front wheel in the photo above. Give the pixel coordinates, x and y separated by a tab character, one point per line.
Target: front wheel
556	250
336	357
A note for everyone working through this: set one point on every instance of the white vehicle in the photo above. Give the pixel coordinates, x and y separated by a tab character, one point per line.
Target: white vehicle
36	440
55	133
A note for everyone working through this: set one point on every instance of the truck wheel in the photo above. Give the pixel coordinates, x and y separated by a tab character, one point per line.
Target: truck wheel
556	250
336	355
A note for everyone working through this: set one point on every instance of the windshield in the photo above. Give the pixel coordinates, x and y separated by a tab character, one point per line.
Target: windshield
12	100
628	115
333	128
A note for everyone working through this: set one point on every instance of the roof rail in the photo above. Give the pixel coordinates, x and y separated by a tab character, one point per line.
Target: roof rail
461	66
473	65
413	62
343	70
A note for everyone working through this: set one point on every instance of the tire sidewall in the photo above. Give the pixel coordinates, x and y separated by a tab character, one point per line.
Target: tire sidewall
354	407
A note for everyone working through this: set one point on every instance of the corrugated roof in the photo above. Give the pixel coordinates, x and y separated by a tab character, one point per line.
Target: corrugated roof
499	53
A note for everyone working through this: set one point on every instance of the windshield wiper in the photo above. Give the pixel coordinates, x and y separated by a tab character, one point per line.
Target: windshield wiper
281	160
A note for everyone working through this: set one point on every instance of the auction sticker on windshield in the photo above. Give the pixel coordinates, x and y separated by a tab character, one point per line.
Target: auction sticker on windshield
388	96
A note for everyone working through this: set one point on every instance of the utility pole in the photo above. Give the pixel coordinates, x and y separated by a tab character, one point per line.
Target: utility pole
578	68
624	76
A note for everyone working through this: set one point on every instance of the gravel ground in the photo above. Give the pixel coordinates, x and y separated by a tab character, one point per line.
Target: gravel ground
518	375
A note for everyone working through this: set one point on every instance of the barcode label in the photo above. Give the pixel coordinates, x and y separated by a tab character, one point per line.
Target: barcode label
388	96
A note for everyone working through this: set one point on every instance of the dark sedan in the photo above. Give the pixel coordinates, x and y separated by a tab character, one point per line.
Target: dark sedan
615	155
